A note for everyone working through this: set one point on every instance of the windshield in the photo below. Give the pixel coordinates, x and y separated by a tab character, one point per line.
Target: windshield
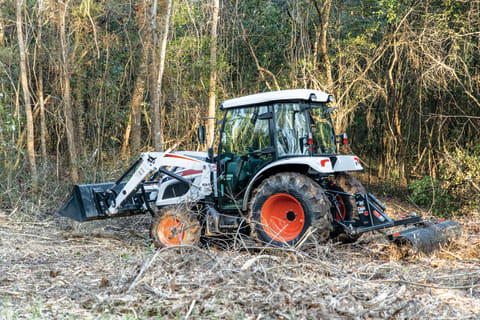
322	130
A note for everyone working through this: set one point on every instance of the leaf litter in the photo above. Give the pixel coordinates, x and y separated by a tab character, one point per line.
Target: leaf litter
109	270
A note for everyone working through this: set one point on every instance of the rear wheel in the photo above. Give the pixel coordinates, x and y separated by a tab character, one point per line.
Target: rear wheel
173	226
345	182
285	206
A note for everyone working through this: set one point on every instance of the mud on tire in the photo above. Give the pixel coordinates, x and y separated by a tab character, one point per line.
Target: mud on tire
283	208
174	226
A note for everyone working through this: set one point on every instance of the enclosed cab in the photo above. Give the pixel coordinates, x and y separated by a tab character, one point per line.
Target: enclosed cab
271	132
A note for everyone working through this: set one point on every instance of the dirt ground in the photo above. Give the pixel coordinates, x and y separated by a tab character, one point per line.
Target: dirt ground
109	270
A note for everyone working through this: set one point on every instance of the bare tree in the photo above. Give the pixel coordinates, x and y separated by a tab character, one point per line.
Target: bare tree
39	77
2	28
213	75
67	98
133	132
26	96
157	91
323	12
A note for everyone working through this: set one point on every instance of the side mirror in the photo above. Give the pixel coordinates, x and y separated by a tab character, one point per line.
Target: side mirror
201	134
210	154
342	139
331	109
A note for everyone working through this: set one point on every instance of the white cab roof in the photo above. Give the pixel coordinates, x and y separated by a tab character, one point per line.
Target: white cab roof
268	97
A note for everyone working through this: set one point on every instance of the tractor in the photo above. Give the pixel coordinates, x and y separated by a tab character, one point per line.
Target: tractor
276	176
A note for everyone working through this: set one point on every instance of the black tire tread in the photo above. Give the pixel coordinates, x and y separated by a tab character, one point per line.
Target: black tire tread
320	204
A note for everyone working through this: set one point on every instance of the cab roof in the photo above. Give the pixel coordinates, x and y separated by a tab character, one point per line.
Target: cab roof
277	96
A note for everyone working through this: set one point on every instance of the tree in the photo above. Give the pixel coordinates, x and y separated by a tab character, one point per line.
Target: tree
213	75
39	77
67	98
324	17
157	90
133	131
26	97
2	29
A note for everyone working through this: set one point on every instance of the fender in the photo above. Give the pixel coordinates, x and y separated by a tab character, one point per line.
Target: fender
319	164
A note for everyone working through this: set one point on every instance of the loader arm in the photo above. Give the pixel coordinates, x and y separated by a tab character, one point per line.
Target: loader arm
150	162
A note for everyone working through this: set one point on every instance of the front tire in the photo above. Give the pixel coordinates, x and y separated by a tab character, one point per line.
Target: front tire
285	206
173	226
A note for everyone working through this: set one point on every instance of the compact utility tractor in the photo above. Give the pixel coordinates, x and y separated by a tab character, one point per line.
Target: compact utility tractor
276	176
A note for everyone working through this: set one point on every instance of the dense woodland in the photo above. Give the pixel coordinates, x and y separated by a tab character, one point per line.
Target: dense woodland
86	85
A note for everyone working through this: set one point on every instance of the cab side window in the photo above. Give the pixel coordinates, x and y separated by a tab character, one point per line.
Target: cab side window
291	130
244	136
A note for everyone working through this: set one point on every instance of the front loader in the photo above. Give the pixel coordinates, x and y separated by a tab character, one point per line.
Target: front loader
276	176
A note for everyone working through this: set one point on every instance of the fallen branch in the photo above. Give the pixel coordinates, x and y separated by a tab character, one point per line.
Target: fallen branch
431	285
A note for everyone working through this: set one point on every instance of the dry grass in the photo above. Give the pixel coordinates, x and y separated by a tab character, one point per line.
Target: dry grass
107	270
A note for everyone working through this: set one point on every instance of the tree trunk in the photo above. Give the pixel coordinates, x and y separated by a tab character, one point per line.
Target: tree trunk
26	96
78	115
157	91
213	75
2	29
133	133
41	100
323	16
72	150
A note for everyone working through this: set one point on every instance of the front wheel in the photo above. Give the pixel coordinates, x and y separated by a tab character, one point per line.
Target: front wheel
173	226
285	206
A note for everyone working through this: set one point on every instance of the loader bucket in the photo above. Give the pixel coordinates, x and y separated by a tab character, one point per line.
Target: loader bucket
429	238
83	204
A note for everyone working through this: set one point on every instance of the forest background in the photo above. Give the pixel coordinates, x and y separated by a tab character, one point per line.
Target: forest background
86	85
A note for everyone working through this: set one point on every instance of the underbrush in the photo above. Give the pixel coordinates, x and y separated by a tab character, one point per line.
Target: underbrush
17	194
456	189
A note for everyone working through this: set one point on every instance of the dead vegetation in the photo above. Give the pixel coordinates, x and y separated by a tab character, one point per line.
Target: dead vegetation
109	270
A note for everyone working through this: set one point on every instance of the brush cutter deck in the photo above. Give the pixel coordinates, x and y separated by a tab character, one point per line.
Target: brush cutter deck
425	236
428	237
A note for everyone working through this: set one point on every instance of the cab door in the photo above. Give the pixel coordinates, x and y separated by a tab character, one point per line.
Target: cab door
245	147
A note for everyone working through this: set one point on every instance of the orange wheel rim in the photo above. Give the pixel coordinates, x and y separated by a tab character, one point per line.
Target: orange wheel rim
282	217
170	231
341	208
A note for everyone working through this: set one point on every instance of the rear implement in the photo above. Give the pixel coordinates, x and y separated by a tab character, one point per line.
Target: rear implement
424	236
427	237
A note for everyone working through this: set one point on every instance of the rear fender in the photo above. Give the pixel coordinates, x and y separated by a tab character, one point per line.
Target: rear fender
347	163
319	164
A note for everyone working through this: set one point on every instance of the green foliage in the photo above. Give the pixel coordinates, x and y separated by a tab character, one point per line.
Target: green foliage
429	193
460	174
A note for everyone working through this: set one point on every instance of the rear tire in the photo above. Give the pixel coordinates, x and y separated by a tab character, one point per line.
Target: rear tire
345	182
175	226
285	206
